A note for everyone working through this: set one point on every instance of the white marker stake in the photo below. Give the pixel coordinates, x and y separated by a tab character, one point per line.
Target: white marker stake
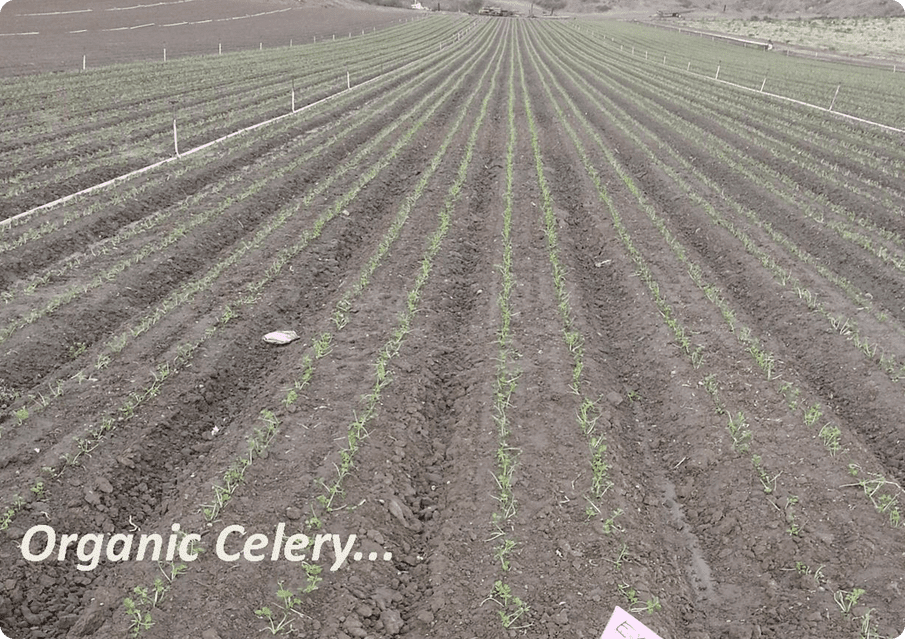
623	626
835	95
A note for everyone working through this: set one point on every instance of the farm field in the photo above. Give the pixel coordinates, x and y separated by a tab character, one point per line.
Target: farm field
862	37
580	324
105	32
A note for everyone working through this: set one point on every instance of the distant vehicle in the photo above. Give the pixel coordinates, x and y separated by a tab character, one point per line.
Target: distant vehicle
672	14
495	11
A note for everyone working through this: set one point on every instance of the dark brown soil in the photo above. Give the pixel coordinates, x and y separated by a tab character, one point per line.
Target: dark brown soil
686	534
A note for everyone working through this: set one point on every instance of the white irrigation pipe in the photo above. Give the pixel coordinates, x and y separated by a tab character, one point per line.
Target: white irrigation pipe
178	155
807	104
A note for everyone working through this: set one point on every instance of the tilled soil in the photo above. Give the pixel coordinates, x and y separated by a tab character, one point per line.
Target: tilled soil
394	278
102	33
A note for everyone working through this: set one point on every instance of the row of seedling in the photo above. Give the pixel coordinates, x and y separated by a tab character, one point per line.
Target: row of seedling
766	176
738	428
811	414
357	428
883	493
357	432
586	411
426	62
511	608
887	361
737	424
191	288
322	343
260	94
736	110
128	406
844	325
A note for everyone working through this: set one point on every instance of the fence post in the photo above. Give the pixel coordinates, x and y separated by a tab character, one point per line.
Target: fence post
834	97
84	59
175	137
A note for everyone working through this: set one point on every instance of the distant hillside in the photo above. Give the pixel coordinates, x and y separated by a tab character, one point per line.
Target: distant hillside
709	8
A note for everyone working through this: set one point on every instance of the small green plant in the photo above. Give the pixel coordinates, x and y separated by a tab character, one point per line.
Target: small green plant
650	606
322	345
314	522
629	593
502	552
738	430
794	528
791	394
512	607
290	398
77	349
280	621
847	599
620	559
610	524
138	621
830	436
882	501
10	513
313	577
812	415
768	483
21	414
